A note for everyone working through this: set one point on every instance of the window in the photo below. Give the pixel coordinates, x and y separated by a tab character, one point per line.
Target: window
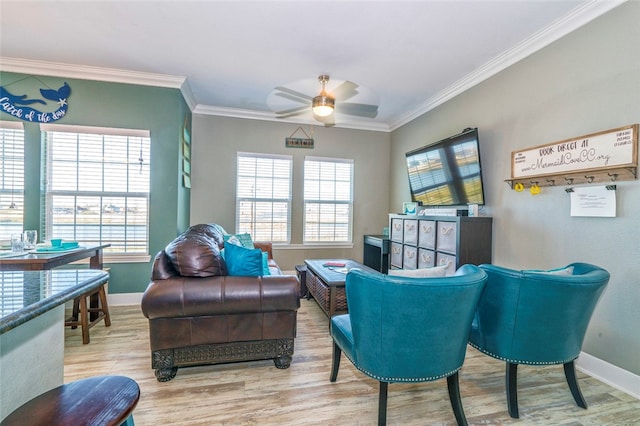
328	200
263	196
11	178
97	186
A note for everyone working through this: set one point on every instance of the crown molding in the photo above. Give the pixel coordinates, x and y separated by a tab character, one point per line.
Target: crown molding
270	116
84	72
579	17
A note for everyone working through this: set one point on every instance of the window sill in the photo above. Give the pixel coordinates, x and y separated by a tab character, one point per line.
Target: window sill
312	246
119	258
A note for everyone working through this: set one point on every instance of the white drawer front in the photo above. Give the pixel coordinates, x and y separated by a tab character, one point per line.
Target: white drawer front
411	231
426	258
427	234
447	259
410	257
447	236
396	255
396	230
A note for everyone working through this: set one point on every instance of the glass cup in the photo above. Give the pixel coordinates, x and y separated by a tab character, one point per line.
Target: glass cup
30	239
17	243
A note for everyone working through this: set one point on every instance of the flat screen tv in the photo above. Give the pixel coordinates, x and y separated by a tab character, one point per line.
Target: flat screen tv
447	173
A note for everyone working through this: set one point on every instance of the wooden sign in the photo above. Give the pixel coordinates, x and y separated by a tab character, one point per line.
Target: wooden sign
292	142
298	143
614	148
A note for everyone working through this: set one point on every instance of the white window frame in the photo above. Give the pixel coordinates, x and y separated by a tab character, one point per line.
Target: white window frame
325	188
248	200
139	251
11	179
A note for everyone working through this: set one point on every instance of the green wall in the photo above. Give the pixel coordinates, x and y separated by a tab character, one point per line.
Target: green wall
162	111
586	82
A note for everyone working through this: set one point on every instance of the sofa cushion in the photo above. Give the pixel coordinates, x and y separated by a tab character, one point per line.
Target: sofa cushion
195	255
243	261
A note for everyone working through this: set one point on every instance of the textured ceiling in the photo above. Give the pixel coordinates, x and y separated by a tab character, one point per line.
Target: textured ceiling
228	56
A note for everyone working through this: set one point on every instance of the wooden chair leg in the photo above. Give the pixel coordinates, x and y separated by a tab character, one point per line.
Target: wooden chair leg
511	377
570	374
75	311
456	402
84	319
104	306
335	364
382	404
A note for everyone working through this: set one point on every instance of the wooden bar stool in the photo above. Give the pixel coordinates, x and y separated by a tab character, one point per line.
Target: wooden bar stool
102	400
85	316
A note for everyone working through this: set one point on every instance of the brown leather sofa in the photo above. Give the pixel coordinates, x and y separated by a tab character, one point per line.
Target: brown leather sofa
200	315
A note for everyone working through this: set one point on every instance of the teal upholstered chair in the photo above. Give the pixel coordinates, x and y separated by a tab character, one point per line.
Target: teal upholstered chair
537	318
407	329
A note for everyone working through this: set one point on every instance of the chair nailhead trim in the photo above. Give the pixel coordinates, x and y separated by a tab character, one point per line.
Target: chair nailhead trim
398	379
516	361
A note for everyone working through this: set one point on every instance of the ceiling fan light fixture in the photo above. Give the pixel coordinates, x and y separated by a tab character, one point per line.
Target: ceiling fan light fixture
323	105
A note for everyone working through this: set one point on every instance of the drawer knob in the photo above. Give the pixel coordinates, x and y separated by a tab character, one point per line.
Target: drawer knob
426	228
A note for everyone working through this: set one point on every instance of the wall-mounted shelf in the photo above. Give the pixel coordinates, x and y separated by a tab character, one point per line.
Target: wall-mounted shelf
604	157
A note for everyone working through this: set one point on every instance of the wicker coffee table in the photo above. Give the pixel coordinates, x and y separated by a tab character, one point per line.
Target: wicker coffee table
325	280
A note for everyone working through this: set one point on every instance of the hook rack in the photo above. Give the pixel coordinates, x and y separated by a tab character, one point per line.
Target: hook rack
606	176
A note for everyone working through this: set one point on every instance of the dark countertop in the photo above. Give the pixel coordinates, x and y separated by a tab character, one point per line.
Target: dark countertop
26	294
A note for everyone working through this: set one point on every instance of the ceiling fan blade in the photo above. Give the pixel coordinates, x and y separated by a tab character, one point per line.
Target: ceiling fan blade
291	97
345	91
362	110
291	112
294	93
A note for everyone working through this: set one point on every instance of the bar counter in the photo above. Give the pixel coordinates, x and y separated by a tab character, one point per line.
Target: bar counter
32	329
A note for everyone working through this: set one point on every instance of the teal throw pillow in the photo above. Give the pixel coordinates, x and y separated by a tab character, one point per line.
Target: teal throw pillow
265	263
243	262
232	239
244	239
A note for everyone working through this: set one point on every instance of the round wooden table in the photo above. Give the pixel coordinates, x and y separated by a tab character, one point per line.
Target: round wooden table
102	400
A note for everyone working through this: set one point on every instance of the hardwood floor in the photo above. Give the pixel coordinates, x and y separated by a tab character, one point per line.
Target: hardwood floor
256	393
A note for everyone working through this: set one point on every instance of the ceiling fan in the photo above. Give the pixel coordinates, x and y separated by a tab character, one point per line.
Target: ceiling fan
323	106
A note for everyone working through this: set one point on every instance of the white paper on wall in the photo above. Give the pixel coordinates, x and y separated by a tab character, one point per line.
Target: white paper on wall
593	201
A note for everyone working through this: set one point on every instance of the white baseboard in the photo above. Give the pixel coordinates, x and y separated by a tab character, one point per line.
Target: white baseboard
124	299
610	374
